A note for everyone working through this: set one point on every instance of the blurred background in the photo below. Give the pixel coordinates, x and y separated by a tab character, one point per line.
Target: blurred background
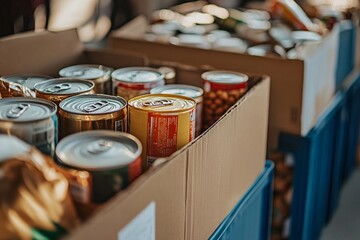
94	19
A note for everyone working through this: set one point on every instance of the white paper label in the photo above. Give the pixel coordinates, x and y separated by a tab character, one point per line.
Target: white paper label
142	227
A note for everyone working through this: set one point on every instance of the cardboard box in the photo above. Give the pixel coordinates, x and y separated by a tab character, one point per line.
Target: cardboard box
300	89
187	195
48	52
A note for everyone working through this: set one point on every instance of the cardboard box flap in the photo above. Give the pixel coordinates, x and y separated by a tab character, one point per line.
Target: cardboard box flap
33	52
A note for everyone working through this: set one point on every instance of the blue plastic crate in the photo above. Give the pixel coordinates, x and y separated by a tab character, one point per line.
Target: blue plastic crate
251	217
347	51
352	137
319	158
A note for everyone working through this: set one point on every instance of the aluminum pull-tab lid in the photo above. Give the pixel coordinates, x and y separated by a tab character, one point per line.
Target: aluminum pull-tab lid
99	146
96	106
158	103
17	110
58	88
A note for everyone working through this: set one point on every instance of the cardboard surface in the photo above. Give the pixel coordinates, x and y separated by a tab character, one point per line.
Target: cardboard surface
48	52
225	162
300	89
197	186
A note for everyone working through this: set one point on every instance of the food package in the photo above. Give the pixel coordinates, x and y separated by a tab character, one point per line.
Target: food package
34	196
11	89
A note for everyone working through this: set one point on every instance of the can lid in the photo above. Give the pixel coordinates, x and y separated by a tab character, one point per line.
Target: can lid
162	103
137	75
98	150
21	109
225	77
85	71
64	86
179	89
28	81
169	73
93	104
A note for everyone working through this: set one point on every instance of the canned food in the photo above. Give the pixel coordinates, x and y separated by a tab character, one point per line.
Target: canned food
30	183
58	89
92	112
222	90
28	81
164	123
169	74
99	164
98	74
193	92
30	119
135	81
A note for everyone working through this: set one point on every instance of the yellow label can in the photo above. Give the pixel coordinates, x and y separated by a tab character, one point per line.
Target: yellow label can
163	123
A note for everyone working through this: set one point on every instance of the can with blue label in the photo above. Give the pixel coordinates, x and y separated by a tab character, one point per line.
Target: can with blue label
30	119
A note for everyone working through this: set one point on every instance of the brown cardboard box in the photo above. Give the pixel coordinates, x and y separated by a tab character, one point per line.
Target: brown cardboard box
300	89
189	195
48	52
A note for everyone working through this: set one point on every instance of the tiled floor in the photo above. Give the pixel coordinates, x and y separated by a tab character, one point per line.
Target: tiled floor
345	224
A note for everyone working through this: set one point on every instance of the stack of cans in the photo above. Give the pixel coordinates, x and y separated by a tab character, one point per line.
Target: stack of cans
104	128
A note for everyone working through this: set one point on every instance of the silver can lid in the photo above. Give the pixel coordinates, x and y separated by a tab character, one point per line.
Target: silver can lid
225	77
98	150
137	75
64	86
179	89
85	71
21	109
28	81
93	104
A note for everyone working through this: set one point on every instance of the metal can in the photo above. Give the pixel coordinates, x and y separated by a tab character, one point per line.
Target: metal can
30	119
193	92
28	81
164	123
92	112
169	74
135	81
222	90
58	89
99	164
98	74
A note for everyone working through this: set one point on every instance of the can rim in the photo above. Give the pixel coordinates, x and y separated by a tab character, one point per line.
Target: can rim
164	95
37	85
92	95
53	109
160	89
114	73
70	138
205	74
26	75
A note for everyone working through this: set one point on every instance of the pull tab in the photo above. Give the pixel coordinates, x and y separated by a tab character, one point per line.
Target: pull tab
158	103
58	88
99	146
96	106
18	110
